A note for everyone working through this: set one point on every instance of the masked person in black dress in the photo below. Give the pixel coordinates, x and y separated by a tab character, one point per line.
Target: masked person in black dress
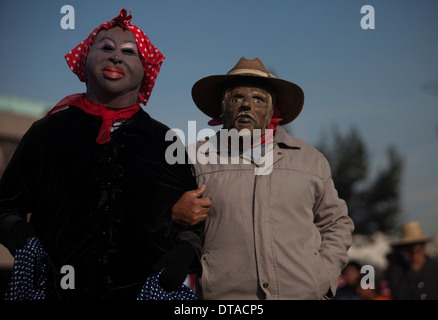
94	177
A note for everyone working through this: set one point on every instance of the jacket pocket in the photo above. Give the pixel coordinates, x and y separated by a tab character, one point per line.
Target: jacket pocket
206	279
321	274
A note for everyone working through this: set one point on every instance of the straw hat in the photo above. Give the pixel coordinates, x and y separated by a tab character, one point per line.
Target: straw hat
411	234
207	92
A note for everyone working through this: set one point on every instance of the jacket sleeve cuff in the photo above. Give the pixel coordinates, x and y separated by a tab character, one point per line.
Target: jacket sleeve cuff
195	242
20	233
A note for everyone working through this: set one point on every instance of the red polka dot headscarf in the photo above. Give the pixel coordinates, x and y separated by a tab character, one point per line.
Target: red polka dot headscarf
150	57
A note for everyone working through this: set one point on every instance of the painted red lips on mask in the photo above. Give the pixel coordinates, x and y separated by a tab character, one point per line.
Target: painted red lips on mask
151	58
113	73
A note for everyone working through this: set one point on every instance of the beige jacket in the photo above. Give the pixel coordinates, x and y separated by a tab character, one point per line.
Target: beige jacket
282	235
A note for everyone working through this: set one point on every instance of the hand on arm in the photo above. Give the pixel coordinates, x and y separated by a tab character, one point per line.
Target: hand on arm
191	209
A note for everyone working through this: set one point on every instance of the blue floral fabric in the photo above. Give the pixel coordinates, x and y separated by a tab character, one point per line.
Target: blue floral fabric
153	291
29	278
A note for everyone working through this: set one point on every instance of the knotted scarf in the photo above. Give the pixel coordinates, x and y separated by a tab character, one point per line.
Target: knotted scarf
109	116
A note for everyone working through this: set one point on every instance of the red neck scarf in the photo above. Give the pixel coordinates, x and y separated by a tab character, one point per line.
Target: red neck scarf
108	116
269	136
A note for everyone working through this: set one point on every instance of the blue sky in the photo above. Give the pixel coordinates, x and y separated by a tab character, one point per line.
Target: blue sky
370	79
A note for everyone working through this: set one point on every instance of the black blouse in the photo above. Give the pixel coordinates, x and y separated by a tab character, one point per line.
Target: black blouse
103	209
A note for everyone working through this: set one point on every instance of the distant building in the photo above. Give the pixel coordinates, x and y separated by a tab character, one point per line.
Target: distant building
16	116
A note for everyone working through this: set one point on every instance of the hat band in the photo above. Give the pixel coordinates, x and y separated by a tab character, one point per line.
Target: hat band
251	71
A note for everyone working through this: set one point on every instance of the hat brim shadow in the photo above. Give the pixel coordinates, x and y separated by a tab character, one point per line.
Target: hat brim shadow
404	242
207	94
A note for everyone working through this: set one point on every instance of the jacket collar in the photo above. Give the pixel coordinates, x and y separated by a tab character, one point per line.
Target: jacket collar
284	140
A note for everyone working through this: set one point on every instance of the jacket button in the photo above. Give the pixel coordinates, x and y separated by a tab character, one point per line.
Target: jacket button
265	285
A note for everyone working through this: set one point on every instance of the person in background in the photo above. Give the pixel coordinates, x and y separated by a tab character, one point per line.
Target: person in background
365	293
411	273
349	281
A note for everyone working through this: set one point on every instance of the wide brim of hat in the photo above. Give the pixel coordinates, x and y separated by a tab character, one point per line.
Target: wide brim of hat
408	241
207	95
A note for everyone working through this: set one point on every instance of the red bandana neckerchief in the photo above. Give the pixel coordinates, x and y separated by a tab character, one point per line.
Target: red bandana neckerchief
108	116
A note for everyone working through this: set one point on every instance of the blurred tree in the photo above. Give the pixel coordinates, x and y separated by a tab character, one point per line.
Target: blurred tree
373	202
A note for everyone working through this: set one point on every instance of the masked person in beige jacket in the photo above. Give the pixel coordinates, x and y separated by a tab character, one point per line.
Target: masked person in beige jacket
277	228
